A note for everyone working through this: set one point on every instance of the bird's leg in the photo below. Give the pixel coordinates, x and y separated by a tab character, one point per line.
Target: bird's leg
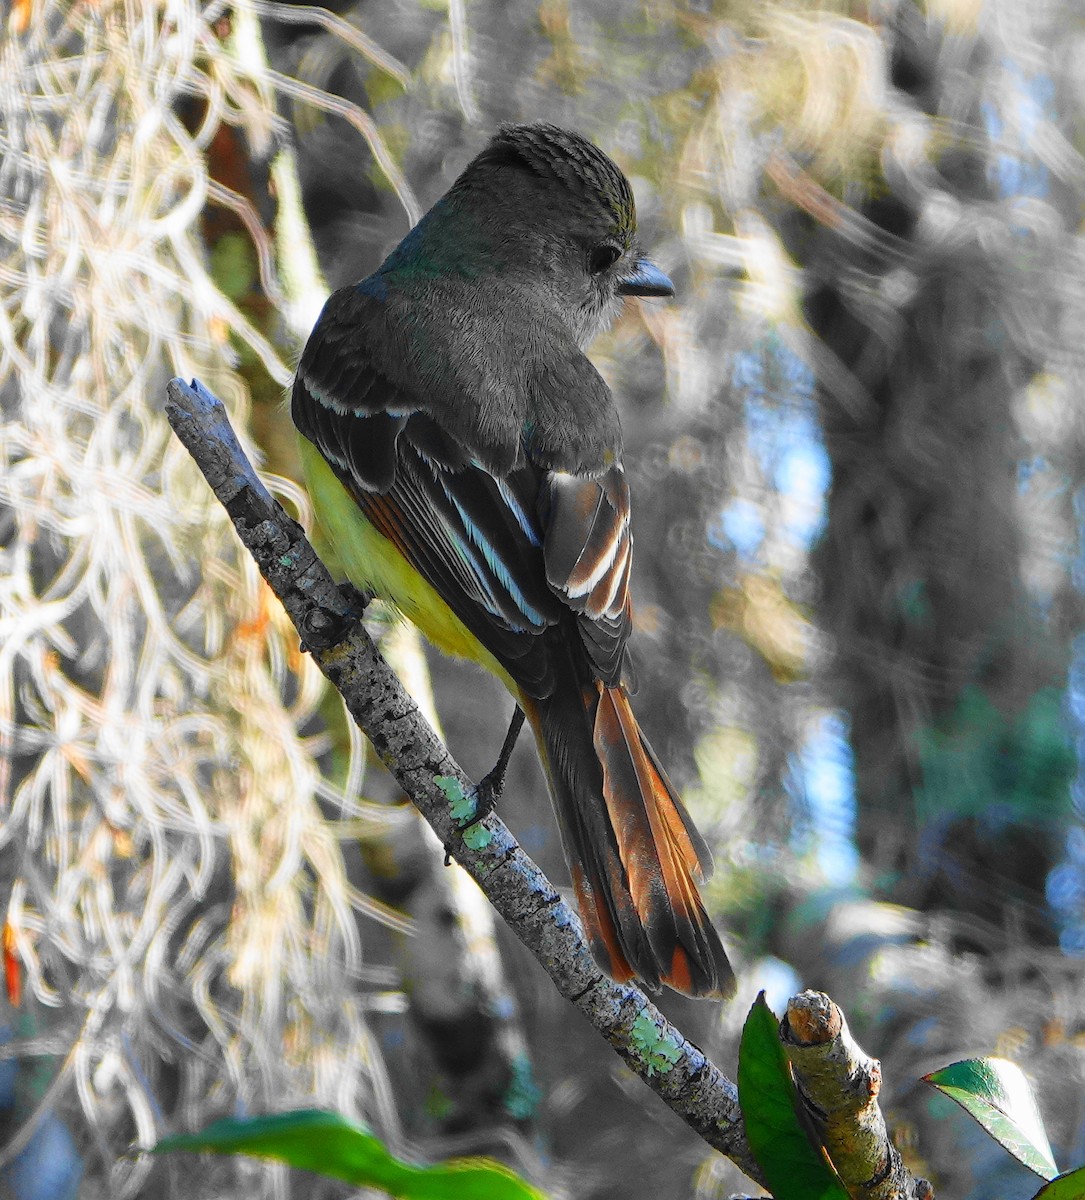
489	788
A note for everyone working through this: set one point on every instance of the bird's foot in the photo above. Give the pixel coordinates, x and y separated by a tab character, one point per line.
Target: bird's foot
488	790
476	805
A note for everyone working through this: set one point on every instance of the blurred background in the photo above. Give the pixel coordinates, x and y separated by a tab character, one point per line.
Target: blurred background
857	455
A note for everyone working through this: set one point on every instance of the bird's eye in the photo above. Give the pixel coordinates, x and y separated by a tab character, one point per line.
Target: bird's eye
603	256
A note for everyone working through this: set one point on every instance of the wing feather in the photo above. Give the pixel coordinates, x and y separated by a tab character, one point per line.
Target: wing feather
587	549
512	552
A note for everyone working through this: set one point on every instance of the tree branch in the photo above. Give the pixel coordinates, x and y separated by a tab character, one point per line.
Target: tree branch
839	1084
675	1069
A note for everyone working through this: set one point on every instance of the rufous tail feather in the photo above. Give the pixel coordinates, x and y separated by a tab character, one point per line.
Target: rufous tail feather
633	852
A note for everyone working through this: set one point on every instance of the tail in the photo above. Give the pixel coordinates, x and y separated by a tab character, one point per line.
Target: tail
632	849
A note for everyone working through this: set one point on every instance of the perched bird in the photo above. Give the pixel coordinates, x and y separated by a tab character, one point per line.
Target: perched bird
465	458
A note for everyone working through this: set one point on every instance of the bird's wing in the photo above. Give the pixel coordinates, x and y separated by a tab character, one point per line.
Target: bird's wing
512	553
588	550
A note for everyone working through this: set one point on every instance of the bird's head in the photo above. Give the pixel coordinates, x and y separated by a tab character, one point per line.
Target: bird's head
561	219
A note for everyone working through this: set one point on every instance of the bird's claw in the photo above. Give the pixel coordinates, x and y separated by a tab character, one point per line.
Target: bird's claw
487	791
486	794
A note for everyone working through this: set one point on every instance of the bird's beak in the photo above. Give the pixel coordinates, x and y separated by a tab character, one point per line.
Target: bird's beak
645	279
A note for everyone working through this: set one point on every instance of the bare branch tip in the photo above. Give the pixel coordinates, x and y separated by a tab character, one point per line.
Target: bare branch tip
812	1019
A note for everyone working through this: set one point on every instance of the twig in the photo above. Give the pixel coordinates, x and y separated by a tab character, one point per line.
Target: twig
675	1069
839	1086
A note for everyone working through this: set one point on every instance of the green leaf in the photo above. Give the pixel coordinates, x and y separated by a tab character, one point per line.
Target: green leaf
996	1093
794	1168
327	1144
1070	1186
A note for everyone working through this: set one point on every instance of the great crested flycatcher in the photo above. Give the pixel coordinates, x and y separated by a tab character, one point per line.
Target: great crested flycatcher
465	458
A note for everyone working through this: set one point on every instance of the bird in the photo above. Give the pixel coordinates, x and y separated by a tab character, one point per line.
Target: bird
464	457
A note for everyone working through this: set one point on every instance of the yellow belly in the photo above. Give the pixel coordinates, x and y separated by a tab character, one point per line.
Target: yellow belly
373	564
